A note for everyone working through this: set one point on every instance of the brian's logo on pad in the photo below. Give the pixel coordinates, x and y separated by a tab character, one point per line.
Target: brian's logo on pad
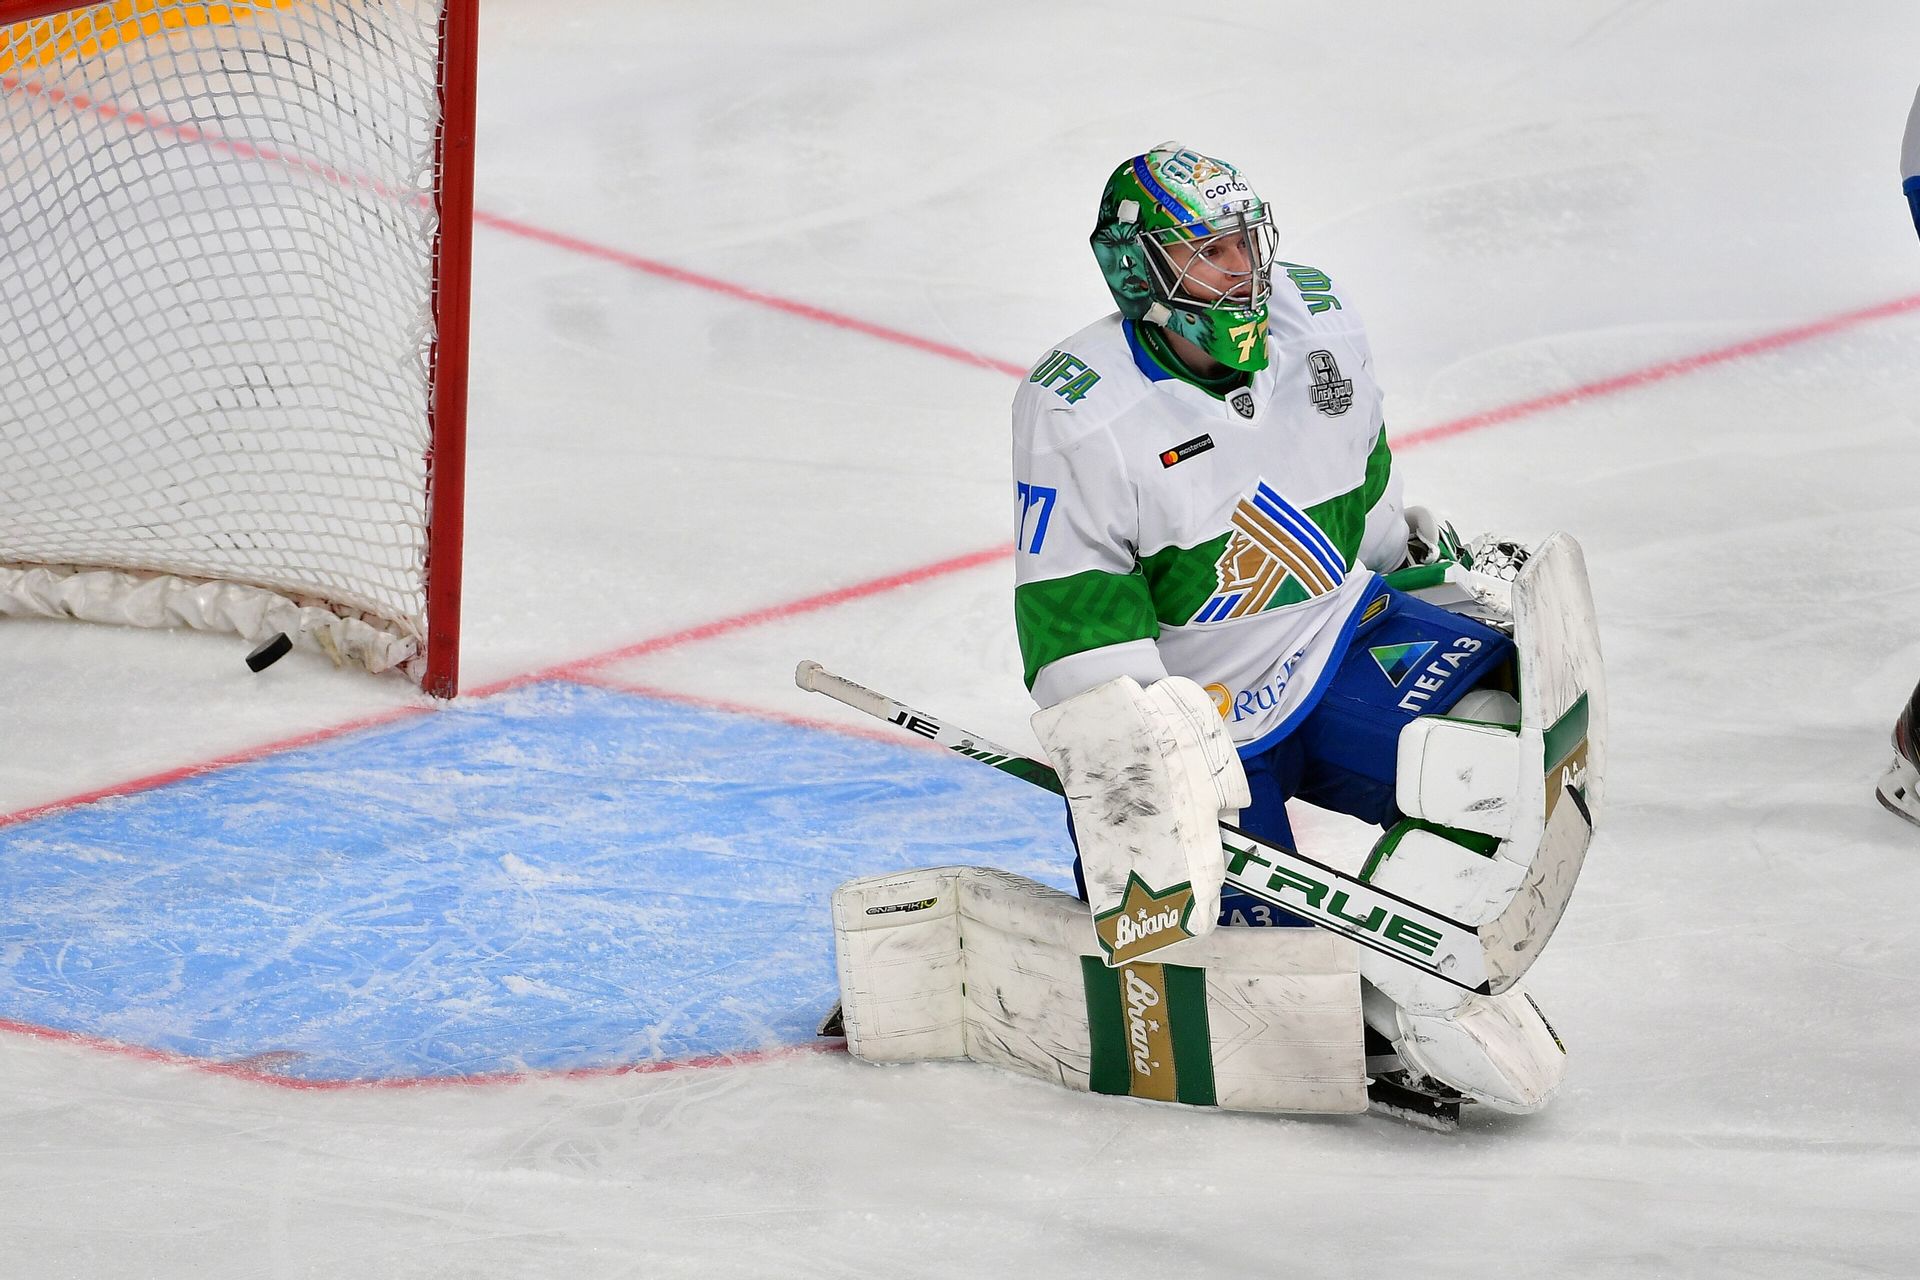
1144	921
1398	661
1275	556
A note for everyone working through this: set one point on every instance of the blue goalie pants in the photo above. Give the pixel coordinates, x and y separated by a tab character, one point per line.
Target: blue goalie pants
1407	659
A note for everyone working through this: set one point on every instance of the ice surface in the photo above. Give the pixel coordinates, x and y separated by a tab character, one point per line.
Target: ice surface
560	877
1523	199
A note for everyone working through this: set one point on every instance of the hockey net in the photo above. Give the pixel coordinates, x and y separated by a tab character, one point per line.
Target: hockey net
233	279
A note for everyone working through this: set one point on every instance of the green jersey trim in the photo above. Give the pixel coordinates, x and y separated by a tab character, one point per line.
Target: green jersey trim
1148	341
1182	579
1058	617
1344	518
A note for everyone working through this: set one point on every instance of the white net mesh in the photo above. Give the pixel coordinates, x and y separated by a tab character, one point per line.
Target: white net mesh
216	234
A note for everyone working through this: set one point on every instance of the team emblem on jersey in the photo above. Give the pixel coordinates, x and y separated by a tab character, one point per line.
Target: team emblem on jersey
1332	394
1242	402
1398	661
1271	542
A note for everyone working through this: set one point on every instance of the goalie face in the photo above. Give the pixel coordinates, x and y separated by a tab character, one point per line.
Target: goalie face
1186	243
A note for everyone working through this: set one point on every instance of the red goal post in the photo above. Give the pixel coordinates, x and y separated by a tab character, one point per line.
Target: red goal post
235	248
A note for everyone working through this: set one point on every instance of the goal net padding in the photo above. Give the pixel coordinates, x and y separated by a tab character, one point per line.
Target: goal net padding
234	245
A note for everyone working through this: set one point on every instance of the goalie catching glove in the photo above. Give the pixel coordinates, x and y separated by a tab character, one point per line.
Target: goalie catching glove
1433	541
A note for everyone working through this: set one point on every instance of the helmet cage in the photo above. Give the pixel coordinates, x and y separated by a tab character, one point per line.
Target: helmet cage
1211	276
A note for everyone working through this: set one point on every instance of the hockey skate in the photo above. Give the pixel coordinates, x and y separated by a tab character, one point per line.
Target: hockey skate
1899	789
1401	1093
1416	1100
834	1024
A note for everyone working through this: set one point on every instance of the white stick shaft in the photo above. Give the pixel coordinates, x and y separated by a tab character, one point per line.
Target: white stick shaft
815	678
1402	930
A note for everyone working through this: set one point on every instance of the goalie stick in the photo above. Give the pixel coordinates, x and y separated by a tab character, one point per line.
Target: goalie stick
1383	922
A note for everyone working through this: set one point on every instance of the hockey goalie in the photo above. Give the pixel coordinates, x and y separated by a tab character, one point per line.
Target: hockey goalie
1222	605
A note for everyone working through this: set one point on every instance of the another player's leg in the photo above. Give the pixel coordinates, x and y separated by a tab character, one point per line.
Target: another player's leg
1899	790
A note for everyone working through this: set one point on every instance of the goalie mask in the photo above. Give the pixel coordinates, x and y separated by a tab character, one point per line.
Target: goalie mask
1186	244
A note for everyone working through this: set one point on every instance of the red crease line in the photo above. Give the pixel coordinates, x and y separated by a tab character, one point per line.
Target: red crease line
892	737
153	780
243	1070
582	670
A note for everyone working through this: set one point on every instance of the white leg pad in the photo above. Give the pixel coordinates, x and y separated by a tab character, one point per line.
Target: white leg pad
1446	877
970	962
1537	787
897	945
1460	774
1498	1050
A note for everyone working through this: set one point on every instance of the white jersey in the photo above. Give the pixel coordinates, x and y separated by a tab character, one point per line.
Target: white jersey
1164	530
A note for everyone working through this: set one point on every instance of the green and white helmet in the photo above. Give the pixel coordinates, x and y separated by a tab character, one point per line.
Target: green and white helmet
1186	243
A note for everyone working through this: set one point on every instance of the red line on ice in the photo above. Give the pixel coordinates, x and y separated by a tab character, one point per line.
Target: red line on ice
741	293
161	779
585	668
1661	372
31	89
893	737
581	668
254	1075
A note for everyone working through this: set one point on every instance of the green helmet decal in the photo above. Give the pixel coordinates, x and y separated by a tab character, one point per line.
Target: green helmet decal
1186	243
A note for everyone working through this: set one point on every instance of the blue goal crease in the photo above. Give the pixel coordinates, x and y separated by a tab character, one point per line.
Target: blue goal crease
560	877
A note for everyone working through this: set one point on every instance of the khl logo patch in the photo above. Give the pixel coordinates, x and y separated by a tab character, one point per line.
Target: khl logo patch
1242	402
1332	394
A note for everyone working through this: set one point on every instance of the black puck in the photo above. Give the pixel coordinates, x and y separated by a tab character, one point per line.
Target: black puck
276	648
